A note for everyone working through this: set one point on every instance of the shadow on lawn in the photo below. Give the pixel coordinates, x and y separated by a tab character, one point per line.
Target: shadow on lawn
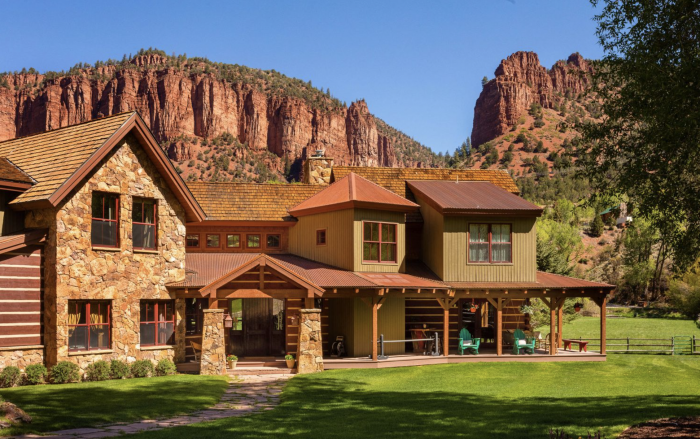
57	407
326	408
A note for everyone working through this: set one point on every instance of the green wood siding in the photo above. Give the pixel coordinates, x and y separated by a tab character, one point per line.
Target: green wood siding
522	269
341	318
432	246
391	321
338	250
380	216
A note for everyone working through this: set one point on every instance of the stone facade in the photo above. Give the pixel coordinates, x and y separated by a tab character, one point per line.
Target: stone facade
317	170
213	343
310	347
73	269
19	357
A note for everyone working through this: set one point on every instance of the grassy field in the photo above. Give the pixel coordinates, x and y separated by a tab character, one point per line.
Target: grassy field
477	400
589	327
56	407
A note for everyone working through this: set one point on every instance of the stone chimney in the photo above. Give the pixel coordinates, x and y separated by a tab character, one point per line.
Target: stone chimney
317	170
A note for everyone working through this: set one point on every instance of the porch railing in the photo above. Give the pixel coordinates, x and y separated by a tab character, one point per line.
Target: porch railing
435	339
676	345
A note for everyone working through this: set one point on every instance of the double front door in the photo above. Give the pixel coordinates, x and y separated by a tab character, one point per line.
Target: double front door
258	327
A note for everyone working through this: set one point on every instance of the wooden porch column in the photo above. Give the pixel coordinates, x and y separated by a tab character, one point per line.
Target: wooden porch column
560	323
309	303
603	321
552	333
446	304
498	304
375	335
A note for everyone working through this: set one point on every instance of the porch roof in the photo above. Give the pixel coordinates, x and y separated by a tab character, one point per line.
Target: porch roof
544	281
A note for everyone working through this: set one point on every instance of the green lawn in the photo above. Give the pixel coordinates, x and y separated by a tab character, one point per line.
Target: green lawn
478	400
589	327
56	407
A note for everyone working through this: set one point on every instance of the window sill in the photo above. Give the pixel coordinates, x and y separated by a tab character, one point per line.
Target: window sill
490	264
380	263
156	348
147	252
95	352
106	249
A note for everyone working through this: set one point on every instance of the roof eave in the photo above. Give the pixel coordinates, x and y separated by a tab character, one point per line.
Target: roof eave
354	205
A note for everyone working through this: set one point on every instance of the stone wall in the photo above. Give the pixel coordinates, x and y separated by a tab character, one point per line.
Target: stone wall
75	270
213	343
16	356
310	347
317	170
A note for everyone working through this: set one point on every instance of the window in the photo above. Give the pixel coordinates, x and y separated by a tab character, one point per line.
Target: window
233	241
490	243
236	310
192	240
105	219
157	323
194	316
88	325
213	241
143	218
379	242
278	314
273	241
321	237
253	241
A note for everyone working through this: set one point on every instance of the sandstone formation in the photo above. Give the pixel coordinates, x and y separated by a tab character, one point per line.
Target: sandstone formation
185	104
521	80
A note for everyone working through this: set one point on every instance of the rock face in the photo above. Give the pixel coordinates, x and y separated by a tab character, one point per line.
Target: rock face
179	103
521	80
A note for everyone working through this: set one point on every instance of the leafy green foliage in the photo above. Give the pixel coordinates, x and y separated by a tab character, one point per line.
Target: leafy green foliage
165	367
647	143
98	371
119	369
36	373
65	372
597	227
142	368
685	294
10	376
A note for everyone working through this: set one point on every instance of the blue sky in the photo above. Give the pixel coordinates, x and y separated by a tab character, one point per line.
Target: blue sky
418	64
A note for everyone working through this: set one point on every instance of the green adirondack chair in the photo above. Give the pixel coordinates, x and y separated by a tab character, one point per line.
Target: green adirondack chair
523	343
467	343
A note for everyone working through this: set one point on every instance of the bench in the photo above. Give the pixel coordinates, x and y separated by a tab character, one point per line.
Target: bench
582	345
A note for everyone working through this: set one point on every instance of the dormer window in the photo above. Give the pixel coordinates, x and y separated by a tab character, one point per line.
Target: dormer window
379	242
490	243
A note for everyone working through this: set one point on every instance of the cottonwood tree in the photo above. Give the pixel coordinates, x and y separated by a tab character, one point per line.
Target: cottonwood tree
647	144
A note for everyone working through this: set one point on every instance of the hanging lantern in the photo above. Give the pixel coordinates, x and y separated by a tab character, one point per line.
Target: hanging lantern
228	321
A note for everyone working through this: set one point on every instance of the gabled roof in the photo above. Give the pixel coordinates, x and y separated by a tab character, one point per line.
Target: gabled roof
394	179
250	201
59	160
12	178
353	191
471	197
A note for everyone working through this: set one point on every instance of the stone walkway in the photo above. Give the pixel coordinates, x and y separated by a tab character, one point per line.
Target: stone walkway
245	395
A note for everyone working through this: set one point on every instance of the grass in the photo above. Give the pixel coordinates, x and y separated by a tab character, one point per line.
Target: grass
589	327
475	400
57	407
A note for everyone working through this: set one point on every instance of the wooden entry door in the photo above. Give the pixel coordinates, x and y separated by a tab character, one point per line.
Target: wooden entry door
257	315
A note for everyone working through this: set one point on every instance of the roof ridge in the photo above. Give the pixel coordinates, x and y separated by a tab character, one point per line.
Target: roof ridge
68	126
251	183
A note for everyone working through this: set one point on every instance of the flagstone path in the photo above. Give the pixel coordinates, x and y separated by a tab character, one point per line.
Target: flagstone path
245	395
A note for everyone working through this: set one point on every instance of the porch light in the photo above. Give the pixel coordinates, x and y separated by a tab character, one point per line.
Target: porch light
228	321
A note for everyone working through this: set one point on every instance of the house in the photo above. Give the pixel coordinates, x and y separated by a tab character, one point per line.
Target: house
105	253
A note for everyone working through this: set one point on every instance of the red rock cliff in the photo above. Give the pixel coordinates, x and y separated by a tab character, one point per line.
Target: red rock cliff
521	80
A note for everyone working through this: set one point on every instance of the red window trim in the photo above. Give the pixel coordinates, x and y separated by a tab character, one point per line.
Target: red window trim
325	236
380	242
156	321
88	324
154	223
206	243
490	242
279	237
199	240
116	220
239	240
253	234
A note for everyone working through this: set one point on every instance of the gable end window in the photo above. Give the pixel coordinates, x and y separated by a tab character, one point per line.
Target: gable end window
105	219
157	323
143	218
379	242
490	243
89	325
321	237
273	241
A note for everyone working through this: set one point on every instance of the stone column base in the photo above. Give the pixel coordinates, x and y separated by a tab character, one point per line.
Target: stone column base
310	347
213	360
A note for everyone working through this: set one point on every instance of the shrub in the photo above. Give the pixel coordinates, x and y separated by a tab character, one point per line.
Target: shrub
165	367
10	376
98	371
119	369
36	373
142	369
65	372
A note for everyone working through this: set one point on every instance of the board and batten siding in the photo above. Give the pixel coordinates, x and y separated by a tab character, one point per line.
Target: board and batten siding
391	321
432	240
524	247
399	218
338	250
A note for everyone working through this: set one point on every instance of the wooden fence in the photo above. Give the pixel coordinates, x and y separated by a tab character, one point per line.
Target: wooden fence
676	345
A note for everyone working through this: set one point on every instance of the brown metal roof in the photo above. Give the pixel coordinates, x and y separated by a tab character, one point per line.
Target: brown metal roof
544	281
353	191
250	201
401	280
471	197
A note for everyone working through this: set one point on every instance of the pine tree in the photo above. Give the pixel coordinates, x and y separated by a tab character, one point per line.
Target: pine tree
484	81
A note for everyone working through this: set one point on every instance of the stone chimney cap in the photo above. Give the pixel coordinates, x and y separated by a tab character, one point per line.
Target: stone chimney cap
319	153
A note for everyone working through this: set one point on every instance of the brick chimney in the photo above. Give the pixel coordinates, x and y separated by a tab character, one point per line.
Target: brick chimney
317	169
